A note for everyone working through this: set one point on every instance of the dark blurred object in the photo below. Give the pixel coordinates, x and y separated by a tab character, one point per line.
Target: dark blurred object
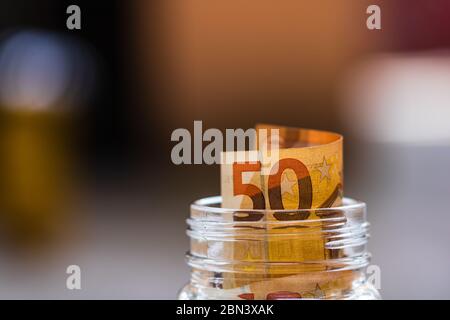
44	80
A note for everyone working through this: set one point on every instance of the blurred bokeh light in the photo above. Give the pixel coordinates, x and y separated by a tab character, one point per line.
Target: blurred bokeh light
44	79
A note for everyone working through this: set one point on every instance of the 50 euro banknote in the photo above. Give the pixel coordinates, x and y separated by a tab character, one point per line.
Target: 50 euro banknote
307	174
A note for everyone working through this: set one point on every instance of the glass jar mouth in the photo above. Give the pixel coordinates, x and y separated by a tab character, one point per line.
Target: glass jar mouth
212	228
210	203
209	210
235	251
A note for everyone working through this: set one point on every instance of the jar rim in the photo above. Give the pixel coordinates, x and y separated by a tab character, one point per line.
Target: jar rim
207	205
211	229
321	245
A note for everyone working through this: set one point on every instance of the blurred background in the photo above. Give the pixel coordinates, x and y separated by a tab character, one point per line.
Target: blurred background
86	117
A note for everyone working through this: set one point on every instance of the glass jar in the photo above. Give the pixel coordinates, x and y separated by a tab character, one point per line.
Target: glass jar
278	254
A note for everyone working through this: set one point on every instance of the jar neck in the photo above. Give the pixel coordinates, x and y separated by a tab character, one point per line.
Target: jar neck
308	285
323	255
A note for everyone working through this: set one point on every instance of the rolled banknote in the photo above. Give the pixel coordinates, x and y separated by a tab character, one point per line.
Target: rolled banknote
306	175
321	285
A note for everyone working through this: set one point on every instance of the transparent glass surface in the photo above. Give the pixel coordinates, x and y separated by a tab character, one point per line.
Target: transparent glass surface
278	254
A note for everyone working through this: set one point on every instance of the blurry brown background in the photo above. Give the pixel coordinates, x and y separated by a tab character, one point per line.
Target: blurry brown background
140	69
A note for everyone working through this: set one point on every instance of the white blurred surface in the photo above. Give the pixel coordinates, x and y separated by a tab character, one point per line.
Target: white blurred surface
400	98
396	109
407	191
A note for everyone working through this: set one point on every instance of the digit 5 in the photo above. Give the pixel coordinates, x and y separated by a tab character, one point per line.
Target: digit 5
250	190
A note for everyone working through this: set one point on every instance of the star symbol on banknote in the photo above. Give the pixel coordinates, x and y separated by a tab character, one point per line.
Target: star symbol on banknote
286	185
318	293
324	169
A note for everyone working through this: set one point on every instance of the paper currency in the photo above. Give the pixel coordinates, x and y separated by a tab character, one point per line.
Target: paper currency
307	175
321	285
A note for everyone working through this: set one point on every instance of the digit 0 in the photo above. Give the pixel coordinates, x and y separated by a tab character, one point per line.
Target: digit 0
304	188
